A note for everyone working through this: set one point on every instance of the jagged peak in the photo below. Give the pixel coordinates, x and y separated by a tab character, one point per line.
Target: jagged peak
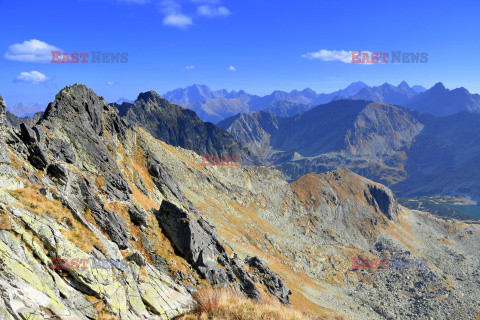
150	96
74	100
76	90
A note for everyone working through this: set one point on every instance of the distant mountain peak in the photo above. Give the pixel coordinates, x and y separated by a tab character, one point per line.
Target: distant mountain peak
150	96
438	85
122	100
308	90
23	110
357	83
387	85
462	89
403	85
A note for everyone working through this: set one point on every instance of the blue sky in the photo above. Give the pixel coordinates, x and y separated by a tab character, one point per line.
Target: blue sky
255	45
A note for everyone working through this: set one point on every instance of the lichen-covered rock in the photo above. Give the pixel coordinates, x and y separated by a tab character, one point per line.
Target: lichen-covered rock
32	285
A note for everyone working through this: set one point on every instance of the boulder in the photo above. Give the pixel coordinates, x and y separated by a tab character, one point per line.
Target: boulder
270	279
198	243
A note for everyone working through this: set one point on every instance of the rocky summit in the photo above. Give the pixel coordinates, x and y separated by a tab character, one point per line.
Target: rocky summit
107	212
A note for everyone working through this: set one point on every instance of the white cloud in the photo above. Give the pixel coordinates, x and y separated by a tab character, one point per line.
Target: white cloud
112	83
189	67
33	77
175	16
334	55
178	20
31	51
231	68
211	11
330	55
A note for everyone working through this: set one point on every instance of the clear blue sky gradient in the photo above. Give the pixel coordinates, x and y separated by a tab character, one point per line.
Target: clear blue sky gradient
263	40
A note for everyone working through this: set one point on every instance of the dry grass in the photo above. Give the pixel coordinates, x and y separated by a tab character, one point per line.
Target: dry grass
224	303
4	220
80	235
100	181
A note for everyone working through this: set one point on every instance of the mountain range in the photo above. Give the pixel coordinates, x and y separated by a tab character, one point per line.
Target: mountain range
89	182
215	106
22	110
414	153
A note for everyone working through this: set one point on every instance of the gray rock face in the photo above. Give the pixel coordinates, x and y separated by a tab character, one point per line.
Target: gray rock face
196	241
163	179
270	279
4	158
81	119
384	200
110	222
182	127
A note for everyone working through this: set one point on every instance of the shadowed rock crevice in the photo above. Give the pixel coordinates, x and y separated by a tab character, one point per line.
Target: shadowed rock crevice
385	201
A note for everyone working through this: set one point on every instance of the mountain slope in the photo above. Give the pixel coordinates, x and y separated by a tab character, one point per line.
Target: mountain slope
445	158
354	132
415	154
440	101
181	127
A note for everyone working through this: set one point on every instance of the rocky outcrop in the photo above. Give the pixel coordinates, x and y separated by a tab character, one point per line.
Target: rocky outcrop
270	279
4	158
384	200
35	285
80	120
197	241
